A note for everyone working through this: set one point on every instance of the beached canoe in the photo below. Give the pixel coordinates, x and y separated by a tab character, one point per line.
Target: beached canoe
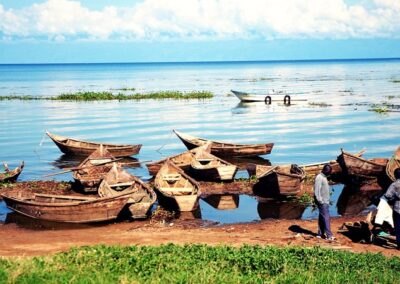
85	148
358	166
282	179
176	188
118	181
65	208
182	160
225	149
207	167
11	175
93	169
393	164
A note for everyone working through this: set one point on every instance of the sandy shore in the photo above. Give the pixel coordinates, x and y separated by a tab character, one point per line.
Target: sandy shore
17	241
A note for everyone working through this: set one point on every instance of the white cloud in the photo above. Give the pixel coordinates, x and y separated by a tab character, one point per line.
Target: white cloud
203	19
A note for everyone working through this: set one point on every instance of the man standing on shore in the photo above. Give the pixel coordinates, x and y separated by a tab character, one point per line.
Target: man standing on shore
322	198
393	196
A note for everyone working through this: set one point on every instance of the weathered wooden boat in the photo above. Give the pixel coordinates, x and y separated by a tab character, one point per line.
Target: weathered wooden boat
11	175
393	164
282	179
182	160
225	149
93	169
223	201
358	166
176	188
65	208
118	181
85	148
315	169
206	166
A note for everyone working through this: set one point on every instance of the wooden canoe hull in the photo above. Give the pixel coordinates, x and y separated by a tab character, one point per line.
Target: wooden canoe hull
226	149
282	183
13	175
101	209
182	160
358	166
314	170
222	173
76	147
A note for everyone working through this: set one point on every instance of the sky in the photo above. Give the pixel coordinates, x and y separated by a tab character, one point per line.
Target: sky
66	31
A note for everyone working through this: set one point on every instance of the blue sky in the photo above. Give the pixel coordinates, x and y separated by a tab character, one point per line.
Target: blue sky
53	31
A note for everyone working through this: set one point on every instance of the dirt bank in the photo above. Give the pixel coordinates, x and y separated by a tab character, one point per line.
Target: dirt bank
17	241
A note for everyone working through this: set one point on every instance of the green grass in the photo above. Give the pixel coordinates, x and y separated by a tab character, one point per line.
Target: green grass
201	264
106	96
379	109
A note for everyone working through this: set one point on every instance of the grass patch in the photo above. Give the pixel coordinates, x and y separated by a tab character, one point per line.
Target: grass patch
379	109
319	104
107	96
201	264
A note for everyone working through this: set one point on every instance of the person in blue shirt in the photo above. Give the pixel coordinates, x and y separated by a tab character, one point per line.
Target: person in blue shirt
393	197
322	200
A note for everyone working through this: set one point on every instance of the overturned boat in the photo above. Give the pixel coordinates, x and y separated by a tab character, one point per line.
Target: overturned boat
85	148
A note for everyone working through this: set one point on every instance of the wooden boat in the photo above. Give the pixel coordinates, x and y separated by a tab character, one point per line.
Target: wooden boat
393	164
358	166
93	169
223	201
206	166
85	148
225	149
315	169
65	208
182	160
118	181
282	179
176	187
11	175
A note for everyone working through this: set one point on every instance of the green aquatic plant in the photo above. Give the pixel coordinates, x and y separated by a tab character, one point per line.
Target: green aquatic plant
380	110
321	104
305	199
201	264
123	89
106	96
395	80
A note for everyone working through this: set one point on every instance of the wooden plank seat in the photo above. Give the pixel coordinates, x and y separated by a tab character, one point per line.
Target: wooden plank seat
170	178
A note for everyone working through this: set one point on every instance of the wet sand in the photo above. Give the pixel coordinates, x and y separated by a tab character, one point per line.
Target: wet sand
17	241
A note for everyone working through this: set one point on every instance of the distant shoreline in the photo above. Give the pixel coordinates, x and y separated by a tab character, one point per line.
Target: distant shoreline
348	60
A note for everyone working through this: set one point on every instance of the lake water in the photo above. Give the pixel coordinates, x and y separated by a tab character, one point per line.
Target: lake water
302	133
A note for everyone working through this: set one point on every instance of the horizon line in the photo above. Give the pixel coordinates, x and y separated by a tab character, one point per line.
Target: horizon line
214	61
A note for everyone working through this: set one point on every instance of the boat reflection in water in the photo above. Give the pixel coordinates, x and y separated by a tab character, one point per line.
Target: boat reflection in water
355	199
279	209
189	215
223	202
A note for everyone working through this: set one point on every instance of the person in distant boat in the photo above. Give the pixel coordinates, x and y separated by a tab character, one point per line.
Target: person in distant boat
322	199
393	196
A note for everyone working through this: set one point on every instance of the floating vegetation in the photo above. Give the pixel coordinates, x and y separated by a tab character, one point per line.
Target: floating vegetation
106	96
201	264
395	80
123	89
322	104
379	109
390	97
347	91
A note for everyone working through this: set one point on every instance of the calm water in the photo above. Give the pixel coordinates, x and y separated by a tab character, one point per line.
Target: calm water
301	133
